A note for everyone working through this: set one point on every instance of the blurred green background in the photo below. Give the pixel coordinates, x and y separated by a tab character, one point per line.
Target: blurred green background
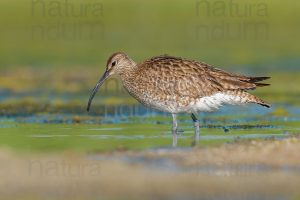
48	33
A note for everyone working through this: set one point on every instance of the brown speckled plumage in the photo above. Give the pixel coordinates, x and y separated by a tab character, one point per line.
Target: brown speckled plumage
175	85
172	80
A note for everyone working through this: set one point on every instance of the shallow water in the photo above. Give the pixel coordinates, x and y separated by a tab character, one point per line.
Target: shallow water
151	129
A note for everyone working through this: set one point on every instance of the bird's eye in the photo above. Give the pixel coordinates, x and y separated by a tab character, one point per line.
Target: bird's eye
113	63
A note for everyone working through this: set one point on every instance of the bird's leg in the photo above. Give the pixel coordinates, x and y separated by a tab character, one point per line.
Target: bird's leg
197	130
174	130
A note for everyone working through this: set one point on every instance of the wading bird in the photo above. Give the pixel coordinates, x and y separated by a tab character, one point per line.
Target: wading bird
177	85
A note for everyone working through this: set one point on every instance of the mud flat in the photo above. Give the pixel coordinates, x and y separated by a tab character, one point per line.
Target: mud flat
242	170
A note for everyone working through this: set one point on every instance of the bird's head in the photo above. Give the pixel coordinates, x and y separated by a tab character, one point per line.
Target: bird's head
117	63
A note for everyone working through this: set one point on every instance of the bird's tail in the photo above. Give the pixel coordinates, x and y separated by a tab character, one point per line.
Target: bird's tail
257	80
245	97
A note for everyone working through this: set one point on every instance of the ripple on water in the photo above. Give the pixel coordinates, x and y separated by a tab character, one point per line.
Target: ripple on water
105	129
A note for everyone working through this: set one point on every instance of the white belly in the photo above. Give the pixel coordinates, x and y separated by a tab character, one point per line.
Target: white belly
204	104
213	102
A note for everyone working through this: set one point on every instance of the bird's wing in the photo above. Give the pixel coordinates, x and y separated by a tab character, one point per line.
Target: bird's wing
230	81
184	77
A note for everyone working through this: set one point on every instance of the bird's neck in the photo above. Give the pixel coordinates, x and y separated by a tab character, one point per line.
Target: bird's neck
128	76
129	72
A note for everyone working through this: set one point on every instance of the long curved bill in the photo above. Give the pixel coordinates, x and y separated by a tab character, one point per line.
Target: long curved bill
100	82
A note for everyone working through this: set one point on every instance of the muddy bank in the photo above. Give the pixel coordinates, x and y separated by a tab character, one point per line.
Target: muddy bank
157	174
